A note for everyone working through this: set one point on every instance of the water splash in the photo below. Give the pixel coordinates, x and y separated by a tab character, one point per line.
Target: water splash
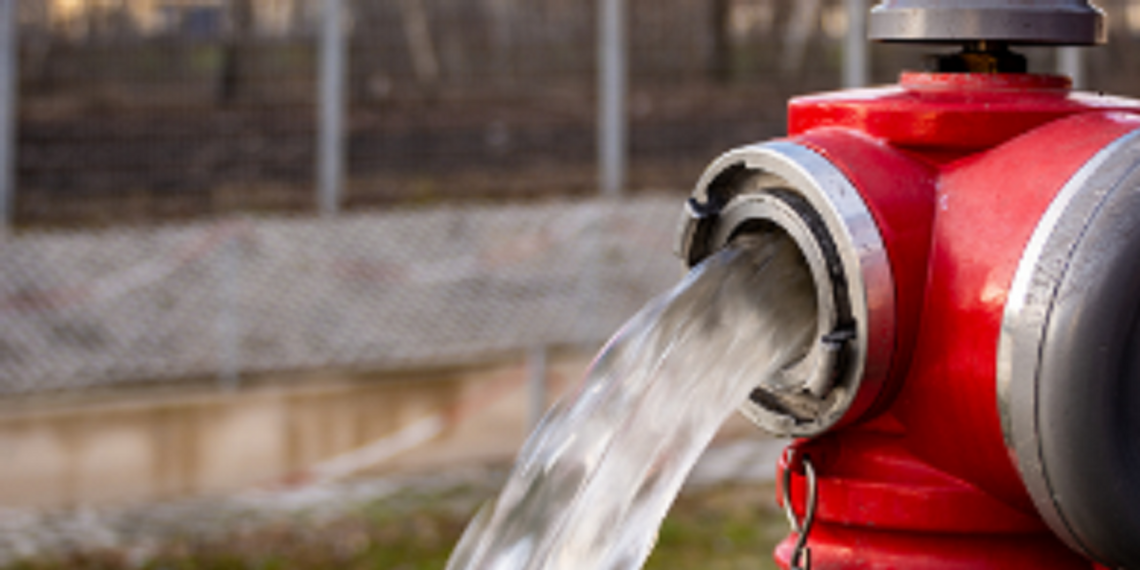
595	480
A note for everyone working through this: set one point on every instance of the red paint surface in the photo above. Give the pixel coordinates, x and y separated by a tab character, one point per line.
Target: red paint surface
941	115
957	169
835	547
900	193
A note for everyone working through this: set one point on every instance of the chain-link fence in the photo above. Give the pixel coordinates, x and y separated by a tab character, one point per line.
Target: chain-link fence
362	291
170	117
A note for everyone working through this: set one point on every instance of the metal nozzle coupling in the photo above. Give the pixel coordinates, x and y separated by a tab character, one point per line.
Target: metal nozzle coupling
787	189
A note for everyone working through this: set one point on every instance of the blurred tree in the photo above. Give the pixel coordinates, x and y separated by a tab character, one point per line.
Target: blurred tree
417	31
721	66
234	67
35	37
801	28
503	14
400	37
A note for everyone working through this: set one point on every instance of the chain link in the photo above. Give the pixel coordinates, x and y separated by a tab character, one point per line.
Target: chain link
801	554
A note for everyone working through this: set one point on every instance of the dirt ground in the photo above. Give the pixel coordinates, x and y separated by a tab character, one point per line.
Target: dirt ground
407	513
492	426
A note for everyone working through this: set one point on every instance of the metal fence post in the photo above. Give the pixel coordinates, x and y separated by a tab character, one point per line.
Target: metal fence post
228	323
1070	62
537	366
9	82
612	58
331	108
855	68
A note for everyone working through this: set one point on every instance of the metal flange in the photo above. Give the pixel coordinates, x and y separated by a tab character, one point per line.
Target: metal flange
788	188
1033	22
1068	367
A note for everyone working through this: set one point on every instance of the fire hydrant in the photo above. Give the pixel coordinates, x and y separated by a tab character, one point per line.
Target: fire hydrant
974	238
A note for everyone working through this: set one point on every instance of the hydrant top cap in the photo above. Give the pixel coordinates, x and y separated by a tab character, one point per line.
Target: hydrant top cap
1033	22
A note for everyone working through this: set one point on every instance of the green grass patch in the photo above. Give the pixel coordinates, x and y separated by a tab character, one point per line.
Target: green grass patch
720	528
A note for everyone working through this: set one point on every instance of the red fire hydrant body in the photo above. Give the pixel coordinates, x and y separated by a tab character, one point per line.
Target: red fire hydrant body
958	170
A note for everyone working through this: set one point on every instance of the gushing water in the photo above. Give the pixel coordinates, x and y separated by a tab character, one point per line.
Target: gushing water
595	480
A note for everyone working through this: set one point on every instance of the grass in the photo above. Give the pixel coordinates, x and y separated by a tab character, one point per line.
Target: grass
718	528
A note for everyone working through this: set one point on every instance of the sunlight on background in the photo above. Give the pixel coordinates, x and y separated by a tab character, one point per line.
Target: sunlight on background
181	324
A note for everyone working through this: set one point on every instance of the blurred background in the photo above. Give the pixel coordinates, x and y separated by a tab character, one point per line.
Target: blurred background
281	244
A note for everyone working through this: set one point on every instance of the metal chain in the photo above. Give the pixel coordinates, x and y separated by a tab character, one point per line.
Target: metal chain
801	554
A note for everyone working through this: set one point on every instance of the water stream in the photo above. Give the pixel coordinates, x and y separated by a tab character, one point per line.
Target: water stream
595	480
